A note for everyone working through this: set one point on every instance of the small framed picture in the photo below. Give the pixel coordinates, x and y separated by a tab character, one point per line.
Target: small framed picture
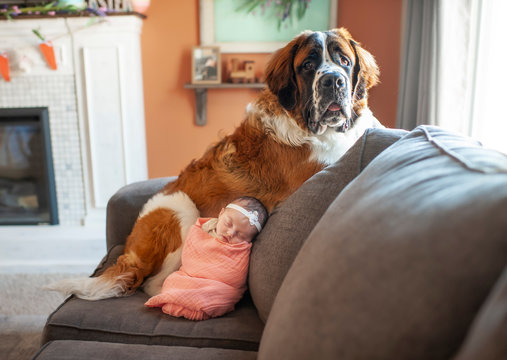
206	65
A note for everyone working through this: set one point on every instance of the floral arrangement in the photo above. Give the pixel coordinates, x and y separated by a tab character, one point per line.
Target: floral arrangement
53	8
282	9
63	7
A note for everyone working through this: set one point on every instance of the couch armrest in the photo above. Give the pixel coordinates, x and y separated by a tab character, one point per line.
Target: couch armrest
124	207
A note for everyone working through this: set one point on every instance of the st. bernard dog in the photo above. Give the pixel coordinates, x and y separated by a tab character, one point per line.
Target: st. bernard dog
313	109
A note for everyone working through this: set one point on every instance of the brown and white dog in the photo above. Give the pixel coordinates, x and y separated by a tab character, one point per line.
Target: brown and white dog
313	110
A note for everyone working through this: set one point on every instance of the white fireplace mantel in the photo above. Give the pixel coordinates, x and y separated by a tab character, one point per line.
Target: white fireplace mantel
102	56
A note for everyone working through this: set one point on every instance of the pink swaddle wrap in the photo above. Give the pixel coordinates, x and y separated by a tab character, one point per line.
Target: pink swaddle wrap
210	281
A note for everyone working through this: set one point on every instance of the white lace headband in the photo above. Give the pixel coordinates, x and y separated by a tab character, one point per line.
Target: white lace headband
251	215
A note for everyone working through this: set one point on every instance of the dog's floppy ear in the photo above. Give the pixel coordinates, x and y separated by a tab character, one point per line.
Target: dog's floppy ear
366	72
280	76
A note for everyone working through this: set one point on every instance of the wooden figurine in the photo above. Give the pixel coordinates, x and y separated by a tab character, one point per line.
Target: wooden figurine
244	73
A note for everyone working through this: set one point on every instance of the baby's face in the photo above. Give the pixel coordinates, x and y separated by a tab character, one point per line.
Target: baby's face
234	227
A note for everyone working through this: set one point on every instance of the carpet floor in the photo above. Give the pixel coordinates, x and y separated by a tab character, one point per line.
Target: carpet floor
24	308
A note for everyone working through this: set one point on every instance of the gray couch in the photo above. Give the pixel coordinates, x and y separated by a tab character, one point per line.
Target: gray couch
397	251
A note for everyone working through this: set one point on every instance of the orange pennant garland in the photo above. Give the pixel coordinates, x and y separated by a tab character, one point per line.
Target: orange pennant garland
4	67
49	53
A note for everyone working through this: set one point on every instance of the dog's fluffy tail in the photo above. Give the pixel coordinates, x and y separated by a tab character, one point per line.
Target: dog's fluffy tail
119	280
95	288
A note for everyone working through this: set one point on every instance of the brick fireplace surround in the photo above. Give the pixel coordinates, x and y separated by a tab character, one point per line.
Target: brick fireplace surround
96	116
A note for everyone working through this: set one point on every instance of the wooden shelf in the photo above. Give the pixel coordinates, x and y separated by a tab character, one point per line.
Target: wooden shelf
201	95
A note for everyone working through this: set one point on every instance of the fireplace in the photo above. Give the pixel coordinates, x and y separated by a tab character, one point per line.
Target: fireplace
27	181
94	103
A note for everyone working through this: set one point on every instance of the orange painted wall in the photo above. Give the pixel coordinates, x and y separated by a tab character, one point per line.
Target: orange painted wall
172	28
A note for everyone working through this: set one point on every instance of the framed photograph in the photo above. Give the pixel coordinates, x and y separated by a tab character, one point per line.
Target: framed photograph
223	23
206	65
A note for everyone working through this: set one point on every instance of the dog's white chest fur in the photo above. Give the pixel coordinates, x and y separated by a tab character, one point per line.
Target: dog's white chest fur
331	146
328	147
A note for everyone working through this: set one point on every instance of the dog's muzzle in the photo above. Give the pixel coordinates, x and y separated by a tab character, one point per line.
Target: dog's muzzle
332	81
333	106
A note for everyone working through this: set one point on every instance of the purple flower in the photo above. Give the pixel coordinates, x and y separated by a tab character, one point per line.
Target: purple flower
96	12
286	12
51	13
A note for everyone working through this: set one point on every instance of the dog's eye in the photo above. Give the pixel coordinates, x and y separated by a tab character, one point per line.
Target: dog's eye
308	65
344	61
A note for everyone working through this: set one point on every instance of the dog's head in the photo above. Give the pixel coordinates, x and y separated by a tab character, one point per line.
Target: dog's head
322	78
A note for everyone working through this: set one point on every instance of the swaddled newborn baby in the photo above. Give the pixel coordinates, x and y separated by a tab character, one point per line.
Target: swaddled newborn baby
214	263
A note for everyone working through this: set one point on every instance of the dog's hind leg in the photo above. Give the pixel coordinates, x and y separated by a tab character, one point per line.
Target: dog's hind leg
187	214
157	234
153	284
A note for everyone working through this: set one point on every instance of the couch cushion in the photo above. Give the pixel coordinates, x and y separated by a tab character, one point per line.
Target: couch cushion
87	350
402	260
487	339
127	320
290	223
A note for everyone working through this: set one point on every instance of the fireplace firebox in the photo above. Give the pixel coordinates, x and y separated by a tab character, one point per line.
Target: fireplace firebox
27	181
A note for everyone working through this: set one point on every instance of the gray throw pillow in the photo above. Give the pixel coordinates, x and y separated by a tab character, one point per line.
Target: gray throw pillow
402	260
290	223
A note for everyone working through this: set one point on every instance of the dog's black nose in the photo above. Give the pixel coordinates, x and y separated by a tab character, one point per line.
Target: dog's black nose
332	80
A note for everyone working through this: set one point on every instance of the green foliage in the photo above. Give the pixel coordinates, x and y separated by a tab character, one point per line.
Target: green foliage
282	10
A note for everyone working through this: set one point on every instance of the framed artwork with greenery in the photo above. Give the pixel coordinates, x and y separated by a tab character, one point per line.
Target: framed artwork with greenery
262	26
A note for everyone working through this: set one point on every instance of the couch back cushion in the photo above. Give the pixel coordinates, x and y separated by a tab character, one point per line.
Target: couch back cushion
402	260
486	339
290	223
